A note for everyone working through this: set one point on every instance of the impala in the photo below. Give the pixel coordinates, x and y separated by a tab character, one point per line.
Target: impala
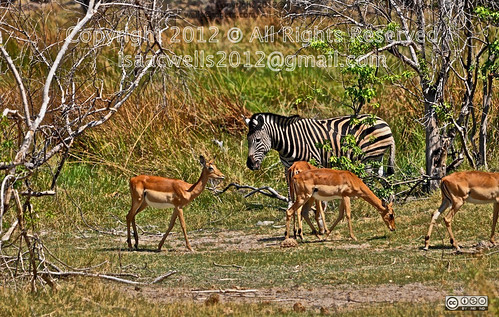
327	184
297	168
160	192
473	186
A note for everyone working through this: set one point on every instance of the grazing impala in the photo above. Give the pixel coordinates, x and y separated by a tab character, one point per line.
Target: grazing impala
160	192
326	184
473	186
297	168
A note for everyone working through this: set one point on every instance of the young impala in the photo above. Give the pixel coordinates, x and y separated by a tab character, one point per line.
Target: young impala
473	186
326	184
296	168
160	192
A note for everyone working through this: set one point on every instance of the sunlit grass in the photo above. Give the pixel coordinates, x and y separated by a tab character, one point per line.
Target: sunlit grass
163	129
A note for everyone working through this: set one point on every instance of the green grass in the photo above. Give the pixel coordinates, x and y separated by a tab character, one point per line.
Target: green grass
162	131
378	258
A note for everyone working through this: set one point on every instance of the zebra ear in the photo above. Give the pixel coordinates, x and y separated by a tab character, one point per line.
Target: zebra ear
258	122
247	121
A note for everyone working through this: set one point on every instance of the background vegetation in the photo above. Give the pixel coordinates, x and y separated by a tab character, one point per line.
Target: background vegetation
162	130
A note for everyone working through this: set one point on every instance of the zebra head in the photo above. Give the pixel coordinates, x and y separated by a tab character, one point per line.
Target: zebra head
259	142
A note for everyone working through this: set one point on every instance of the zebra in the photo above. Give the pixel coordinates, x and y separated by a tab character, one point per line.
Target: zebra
296	139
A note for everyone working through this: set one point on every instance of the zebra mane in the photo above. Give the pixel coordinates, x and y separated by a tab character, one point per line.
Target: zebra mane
276	117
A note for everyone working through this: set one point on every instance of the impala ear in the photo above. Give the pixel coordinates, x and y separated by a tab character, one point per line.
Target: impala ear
202	161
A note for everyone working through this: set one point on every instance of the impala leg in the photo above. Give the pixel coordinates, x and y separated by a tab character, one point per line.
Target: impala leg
291	212
172	222
182	224
348	211
130	220
294	225
306	211
494	222
340	216
300	224
319	214
129	217
448	221
445	204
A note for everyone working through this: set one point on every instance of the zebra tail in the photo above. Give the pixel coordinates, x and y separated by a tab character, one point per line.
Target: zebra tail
391	160
291	183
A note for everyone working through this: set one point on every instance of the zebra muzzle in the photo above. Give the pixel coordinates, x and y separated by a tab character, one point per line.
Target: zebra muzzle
252	164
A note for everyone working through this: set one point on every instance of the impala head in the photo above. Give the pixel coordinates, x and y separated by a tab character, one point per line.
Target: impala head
259	142
389	216
213	171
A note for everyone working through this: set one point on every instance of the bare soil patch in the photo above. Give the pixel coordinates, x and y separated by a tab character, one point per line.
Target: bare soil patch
217	240
342	297
211	241
332	298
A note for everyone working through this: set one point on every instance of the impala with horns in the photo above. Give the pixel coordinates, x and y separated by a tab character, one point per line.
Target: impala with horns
326	184
295	169
472	186
160	192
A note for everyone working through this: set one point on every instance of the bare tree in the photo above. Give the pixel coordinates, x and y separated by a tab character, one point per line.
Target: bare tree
59	88
434	39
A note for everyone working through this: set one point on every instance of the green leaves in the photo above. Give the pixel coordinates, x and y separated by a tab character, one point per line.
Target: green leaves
444	111
351	154
345	163
487	14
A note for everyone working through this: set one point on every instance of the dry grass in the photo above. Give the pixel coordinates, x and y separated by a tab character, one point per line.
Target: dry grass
162	130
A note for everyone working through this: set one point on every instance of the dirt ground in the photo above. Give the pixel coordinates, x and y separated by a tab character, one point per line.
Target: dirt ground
342	297
338	298
214	241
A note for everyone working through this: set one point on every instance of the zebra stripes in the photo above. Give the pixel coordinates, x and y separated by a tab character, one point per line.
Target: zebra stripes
295	138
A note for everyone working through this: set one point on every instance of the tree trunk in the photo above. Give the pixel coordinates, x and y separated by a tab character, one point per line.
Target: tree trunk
487	97
436	152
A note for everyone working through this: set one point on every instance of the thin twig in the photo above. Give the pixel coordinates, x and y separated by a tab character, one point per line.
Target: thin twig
223	291
107	277
272	193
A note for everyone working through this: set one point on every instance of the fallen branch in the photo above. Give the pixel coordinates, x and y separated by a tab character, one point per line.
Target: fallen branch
107	277
265	190
223	291
38	194
273	193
